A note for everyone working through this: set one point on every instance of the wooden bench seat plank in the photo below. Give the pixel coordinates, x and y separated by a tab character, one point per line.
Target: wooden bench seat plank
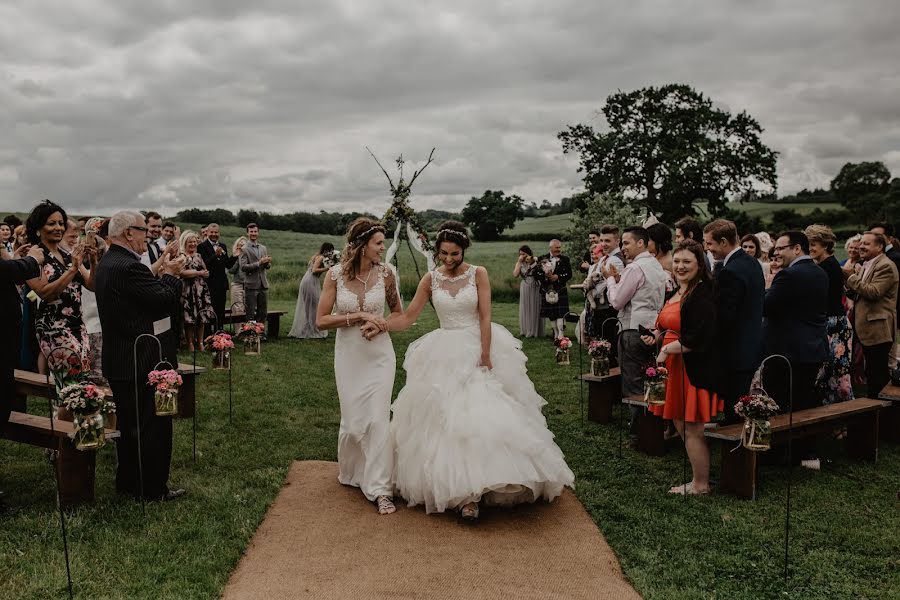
890	418
804	418
39	425
614	373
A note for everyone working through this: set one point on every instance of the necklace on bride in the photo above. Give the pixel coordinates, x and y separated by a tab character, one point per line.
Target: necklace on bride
365	281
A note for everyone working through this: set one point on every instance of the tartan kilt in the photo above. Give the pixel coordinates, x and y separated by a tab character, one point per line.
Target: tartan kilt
558	310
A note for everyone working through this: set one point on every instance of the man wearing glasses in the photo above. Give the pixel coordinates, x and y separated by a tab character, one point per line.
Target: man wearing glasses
741	286
132	302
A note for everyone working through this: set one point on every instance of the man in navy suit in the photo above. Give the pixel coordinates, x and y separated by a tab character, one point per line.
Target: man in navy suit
215	255
795	311
741	289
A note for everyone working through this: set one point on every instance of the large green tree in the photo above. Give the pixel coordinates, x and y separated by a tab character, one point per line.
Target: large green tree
668	147
864	189
492	214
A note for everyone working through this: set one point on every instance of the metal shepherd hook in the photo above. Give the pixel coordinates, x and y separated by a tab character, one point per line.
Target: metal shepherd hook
137	412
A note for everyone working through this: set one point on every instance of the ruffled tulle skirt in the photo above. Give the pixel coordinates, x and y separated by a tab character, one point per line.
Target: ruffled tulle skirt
462	433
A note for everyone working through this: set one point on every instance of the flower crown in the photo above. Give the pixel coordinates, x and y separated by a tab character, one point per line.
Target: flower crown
361	237
453	232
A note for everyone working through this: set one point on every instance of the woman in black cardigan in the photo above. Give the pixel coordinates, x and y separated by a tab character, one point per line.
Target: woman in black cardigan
687	324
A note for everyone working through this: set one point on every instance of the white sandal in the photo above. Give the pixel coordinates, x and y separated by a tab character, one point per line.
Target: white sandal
385	505
470	511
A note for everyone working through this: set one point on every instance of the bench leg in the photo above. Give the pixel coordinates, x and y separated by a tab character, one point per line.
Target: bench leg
76	474
274	326
601	397
738	472
862	436
650	432
187	396
19	403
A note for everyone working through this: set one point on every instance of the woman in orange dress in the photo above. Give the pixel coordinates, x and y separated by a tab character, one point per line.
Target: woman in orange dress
687	326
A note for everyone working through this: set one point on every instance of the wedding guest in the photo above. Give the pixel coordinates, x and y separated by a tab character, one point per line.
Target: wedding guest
58	321
833	381
530	322
893	253
196	303
215	255
255	261
89	313
851	246
71	236
660	246
875	285
14	270
133	302
739	308
688	228
169	233
554	273
796	309
238	306
687	325
6	237
752	246
13	221
20	237
81	224
638	294
605	321
588	259
204	233
308	297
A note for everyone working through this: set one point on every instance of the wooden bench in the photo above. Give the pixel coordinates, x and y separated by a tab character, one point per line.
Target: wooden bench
739	470
75	468
603	392
29	383
273	321
890	417
650	429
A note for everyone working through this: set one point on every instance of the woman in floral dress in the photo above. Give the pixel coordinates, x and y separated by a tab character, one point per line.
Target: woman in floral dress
196	300
62	337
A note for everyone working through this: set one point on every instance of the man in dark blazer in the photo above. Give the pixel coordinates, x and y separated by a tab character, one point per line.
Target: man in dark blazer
739	308
795	326
560	272
132	302
215	255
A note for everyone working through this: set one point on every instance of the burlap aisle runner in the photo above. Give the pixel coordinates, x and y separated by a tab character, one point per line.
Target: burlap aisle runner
323	540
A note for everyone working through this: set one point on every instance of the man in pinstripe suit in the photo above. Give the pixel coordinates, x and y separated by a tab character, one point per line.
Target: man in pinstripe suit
132	302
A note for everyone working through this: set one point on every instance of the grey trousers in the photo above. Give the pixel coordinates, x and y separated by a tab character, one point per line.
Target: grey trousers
257	304
634	356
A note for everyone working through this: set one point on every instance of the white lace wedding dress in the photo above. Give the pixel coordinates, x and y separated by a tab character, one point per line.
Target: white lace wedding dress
463	433
364	371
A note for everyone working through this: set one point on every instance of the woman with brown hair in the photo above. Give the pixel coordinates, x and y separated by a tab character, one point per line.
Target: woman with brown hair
356	292
686	325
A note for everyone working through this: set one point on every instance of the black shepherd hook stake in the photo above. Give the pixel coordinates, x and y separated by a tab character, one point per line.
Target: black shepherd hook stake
54	454
787	517
615	342
230	363
137	413
572	317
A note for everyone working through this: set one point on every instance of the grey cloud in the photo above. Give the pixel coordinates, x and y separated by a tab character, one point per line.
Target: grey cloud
270	104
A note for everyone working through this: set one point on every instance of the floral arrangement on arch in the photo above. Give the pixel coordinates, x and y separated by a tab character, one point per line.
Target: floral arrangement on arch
400	211
219	342
599	348
164	380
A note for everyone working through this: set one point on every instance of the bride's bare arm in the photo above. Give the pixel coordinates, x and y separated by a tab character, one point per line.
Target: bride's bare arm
484	315
392	294
326	320
399	321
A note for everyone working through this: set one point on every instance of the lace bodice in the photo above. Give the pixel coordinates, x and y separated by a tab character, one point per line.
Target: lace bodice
349	299
455	299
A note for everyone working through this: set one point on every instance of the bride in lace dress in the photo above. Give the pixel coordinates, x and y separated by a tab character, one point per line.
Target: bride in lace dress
468	427
355	293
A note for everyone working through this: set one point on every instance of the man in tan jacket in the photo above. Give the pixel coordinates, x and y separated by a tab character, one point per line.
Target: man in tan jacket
875	283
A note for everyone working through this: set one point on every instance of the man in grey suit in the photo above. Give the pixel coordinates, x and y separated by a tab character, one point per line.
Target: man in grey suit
254	262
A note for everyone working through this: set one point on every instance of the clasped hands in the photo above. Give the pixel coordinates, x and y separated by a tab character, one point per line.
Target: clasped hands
372	325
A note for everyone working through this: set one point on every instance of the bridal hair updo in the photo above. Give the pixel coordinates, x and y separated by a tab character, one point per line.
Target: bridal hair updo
454	232
359	233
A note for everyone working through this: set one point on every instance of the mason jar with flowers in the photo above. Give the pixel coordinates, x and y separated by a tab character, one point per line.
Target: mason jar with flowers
655	385
251	332
562	350
165	397
88	404
599	351
756	409
221	345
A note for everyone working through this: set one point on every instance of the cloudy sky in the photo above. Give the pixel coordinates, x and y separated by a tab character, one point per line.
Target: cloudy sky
270	104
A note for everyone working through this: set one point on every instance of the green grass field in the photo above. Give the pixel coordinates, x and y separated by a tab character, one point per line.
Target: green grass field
844	522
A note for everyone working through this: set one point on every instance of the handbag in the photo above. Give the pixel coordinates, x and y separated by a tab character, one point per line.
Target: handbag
551	296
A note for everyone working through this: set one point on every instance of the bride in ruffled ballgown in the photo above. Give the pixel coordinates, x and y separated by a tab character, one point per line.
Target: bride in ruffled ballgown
468	427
